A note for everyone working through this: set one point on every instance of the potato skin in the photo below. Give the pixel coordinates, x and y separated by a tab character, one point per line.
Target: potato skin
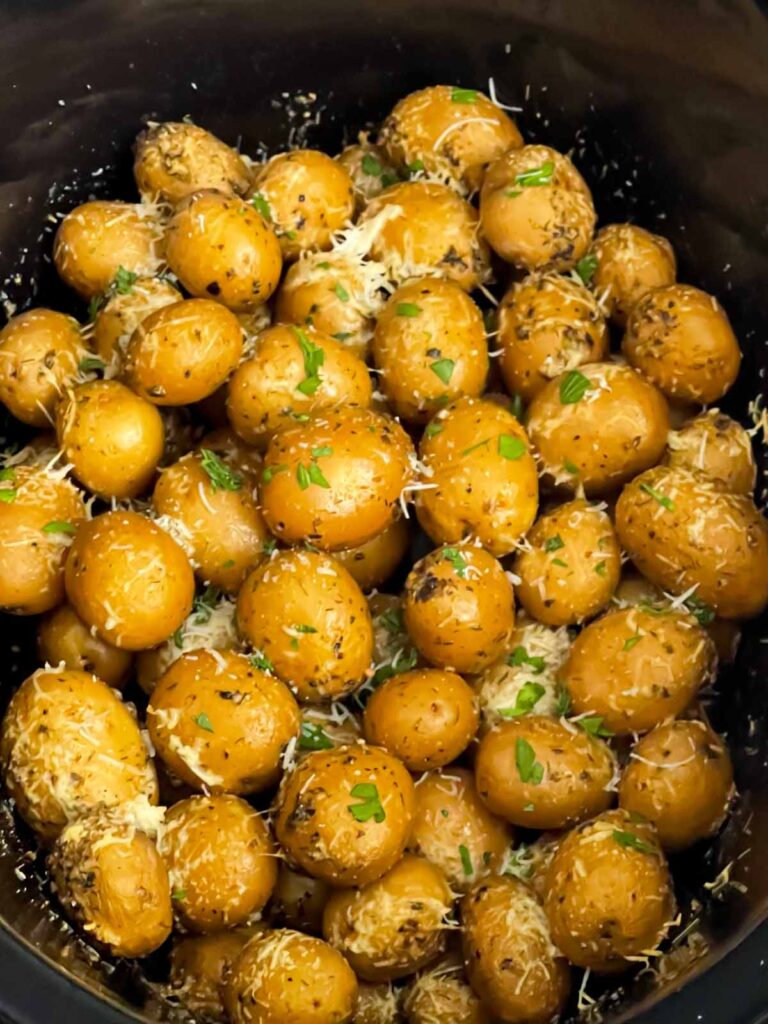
608	898
298	901
717	446
39	354
200	966
200	835
511	961
630	263
616	430
393	926
475	489
63	638
441	995
122	313
369	168
459	608
371	564
683	785
570	565
52	769
715	540
681	339
319	833
635	667
129	580
577	769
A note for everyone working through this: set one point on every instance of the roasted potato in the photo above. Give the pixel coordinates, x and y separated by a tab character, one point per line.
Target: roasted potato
378	1004
122	313
200	966
369	168
717	446
624	264
441	995
371	564
64	639
298	901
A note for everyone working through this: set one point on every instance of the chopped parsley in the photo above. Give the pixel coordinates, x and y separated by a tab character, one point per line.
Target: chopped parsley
463	95
466	861
559	562
454	556
123	281
443	368
527	698
392	620
204	604
516	407
562	702
261	662
528	768
586	268
570	467
414	166
573	386
314	357
520	656
219	473
601	569
662	499
593	724
633	842
511	447
370	804
371	166
260	203
57	526
554	543
91	364
433	429
269	471
179	894
341	292
407	309
269	546
311	473
700	611
203	721
631	641
314	737
537	176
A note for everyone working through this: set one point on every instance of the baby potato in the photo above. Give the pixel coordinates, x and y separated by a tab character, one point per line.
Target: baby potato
454	829
682	340
430	348
680	529
40	510
459	608
232	449
293	372
536	209
344	815
378	1004
448	132
298	901
173	159
122	313
598	427
284	976
102	237
539	772
425	229
218	721
680	778
393	926
336	480
369	168
716	445
530	863
307	196
183	352
637	666
392	648
628	263
371	564
480	477
200	965
220	247
68	744
513	963
609	896
570	565
40	351
110	878
220	520
548	324
201	835
308	619
441	995
128	580
113	438
64	639
427	717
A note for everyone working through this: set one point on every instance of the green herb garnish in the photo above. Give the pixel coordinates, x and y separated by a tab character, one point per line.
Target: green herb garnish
91	364
528	768
662	499
463	95
260	203
314	737
466	861
453	555
219	473
586	268
443	368
371	166
370	804
407	309
261	662
520	656
630	840
511	447
527	698
573	386
57	526
314	357
593	724
554	543
203	721
123	281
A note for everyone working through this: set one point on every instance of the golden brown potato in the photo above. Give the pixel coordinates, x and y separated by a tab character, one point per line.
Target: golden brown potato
221	247
378	1004
454	829
371	564
680	778
369	168
292	373
307	617
637	666
64	639
530	863
393	926
122	313
480	477
129	580
459	608
68	745
284	976
716	445
216	507
448	132
427	717
201	964
570	564
536	209
539	772
40	351
100	239
175	158
218	721
609	895
598	427
40	512
307	196
344	815
624	264
110	878
548	324
298	901
441	995
183	352
681	530
113	438
681	339
221	861
512	962
336	481
429	347
427	231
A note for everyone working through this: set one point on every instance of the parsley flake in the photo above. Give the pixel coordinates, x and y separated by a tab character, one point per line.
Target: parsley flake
573	386
269	471
593	724
261	662
454	556
370	804
260	203
527	698
633	842
123	281
520	656
554	543
528	768
662	499
466	861
314	357
219	473
443	368
203	721
433	429
371	166
586	268
91	364
407	309
463	95
341	292
57	526
511	447
537	176
314	737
